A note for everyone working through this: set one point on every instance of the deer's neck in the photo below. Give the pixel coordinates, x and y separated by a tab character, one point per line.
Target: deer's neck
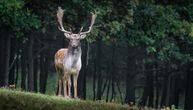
76	52
73	58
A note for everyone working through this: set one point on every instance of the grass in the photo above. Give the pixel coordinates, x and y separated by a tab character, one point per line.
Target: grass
17	100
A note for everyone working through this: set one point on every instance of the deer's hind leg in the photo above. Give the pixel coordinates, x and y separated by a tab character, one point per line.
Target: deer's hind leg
60	87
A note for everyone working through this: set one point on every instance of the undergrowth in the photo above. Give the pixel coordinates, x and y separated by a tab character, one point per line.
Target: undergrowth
17	100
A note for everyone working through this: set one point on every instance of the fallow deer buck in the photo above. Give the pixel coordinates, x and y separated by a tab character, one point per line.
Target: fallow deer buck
68	60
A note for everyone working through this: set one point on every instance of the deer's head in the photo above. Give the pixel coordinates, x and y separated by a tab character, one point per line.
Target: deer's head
73	37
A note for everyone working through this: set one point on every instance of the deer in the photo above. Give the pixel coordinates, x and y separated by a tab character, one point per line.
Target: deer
68	60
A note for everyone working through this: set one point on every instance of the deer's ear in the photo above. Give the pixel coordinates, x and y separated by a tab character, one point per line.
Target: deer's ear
67	35
82	36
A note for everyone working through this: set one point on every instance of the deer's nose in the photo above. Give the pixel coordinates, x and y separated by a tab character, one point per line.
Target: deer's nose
73	45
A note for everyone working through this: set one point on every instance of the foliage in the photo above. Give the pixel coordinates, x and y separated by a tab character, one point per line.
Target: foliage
144	24
191	34
158	28
16	17
190	12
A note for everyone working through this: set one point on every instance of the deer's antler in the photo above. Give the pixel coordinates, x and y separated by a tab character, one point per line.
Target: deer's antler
91	24
60	14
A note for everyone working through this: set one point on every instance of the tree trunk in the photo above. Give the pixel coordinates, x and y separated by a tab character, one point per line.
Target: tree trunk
12	62
108	88
17	70
85	69
145	95
94	81
167	98
2	58
174	92
108	82
130	90
120	93
105	86
113	95
7	60
189	88
82	76
98	61
30	64
164	88
17	62
150	83
157	86
42	73
36	65
23	67
44	65
130	77
148	90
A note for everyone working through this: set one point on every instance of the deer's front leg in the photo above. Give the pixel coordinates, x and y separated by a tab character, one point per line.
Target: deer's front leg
69	86
75	78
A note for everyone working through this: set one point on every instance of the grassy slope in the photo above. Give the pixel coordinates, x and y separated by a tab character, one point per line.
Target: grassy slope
16	100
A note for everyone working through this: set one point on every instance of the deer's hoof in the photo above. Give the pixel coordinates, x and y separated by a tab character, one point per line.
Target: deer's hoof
59	95
76	98
67	97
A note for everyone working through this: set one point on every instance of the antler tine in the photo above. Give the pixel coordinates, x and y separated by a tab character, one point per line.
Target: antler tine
70	29
91	24
93	18
60	13
81	29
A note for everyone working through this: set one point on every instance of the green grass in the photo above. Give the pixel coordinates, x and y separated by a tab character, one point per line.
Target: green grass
17	100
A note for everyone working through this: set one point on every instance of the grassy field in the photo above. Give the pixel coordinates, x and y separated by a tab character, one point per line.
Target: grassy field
17	100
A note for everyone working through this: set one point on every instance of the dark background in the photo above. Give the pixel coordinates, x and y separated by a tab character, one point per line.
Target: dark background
139	51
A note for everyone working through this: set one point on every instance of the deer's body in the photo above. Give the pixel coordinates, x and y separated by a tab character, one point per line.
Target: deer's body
72	60
68	60
68	63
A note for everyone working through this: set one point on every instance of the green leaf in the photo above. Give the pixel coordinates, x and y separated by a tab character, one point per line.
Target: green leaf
151	49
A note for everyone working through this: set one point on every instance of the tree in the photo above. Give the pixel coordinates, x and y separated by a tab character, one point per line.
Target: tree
17	19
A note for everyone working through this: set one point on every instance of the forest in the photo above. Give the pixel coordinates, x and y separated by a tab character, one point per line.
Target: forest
139	52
